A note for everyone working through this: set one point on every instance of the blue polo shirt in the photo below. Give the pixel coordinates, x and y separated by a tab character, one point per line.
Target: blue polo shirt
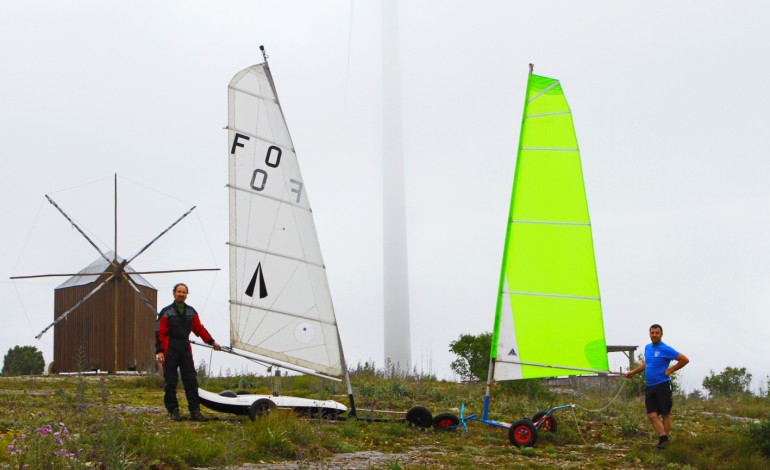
658	357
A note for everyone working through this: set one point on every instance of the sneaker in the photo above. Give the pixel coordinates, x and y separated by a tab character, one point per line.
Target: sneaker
174	415
662	442
196	415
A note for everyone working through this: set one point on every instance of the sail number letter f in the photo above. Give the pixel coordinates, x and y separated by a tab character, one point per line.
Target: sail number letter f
236	143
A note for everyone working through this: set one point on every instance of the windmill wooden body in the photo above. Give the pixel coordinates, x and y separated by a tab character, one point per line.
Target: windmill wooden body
114	328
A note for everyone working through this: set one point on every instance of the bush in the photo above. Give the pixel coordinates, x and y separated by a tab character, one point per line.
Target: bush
23	360
760	434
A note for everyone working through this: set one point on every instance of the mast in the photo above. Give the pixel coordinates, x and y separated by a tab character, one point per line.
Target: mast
116	288
504	264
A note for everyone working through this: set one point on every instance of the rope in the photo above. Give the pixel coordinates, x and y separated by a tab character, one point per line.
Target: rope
577	426
622	385
574	415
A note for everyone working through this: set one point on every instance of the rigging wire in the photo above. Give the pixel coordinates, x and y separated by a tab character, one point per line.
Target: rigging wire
18	260
81	185
156	191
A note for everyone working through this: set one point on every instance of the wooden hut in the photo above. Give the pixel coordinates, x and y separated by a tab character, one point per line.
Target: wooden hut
114	330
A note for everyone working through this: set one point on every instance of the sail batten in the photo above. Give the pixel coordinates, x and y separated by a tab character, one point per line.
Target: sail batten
293	315
255	95
280	304
275	253
248	190
549	307
255	136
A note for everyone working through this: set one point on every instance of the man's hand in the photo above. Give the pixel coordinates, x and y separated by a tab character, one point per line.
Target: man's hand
216	346
160	357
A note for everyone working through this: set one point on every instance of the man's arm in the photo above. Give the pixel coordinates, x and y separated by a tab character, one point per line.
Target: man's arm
203	333
681	361
636	370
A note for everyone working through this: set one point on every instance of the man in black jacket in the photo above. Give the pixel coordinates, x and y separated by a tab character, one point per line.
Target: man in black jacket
173	350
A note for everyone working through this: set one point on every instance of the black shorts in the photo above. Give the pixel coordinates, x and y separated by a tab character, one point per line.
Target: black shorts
658	398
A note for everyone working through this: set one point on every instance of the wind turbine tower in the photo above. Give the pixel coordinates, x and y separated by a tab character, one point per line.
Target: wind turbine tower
395	265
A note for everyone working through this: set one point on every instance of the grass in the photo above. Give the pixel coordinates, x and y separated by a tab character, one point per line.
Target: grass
119	422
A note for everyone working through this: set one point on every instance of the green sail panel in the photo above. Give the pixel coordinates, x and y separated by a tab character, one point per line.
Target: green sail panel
549	316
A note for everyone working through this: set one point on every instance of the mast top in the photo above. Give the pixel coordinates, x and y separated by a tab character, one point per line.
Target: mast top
531	68
264	54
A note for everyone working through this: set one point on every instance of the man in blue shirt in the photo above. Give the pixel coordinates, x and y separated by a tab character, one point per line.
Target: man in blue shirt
658	395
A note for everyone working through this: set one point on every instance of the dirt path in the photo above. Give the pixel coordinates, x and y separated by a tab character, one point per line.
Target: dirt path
352	461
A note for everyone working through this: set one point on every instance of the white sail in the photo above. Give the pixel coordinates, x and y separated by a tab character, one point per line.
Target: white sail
280	305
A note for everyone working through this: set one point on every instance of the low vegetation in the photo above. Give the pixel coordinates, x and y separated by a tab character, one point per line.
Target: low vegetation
118	422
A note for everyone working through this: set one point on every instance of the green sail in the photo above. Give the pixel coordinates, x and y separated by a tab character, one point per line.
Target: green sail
548	308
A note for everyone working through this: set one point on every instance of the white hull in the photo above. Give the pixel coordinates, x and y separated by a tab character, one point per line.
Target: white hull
241	404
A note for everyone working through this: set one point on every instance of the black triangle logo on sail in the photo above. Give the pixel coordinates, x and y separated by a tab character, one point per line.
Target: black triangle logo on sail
253	283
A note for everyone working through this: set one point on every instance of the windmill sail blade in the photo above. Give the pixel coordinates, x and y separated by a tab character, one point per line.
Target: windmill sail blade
169	271
78	228
160	235
71	309
280	305
139	292
51	275
549	315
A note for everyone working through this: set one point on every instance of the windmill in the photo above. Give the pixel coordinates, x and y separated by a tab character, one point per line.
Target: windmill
115	305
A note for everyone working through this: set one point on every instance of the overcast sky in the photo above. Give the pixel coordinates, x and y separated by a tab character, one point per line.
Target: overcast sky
670	102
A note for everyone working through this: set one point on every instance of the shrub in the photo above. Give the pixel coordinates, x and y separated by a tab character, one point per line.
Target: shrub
23	360
760	434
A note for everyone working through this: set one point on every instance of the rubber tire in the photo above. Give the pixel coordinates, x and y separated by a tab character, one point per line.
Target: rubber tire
522	433
446	422
261	407
420	417
550	422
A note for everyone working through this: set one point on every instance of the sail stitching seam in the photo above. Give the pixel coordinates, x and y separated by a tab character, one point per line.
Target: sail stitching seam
546	90
556	113
560	296
551	149
548	222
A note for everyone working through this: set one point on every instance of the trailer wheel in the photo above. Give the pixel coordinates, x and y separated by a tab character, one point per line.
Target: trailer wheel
548	424
261	407
419	416
522	433
446	422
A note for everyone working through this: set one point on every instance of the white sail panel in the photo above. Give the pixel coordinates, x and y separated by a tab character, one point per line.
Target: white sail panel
280	304
508	365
